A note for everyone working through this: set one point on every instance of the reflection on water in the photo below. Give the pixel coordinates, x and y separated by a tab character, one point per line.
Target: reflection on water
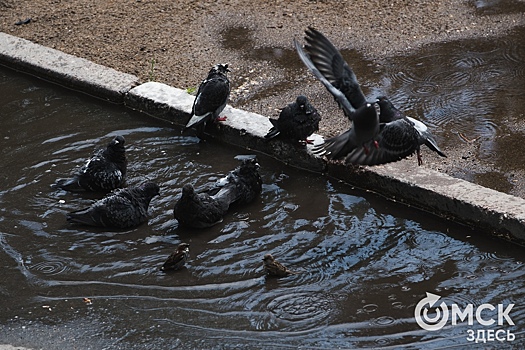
363	262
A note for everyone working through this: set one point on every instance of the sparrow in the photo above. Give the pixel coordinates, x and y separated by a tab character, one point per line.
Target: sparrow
296	122
212	96
104	171
178	258
123	208
274	268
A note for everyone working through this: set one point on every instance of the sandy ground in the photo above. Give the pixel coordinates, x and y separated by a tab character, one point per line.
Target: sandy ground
176	42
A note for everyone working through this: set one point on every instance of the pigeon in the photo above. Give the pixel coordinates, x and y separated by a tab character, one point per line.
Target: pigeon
242	185
211	99
340	146
104	171
387	136
328	65
123	208
296	121
199	210
178	258
274	268
389	113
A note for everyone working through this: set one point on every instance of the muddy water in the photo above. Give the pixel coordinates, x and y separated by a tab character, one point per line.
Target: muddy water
363	263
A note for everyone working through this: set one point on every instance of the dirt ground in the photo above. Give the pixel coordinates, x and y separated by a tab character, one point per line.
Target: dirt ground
176	42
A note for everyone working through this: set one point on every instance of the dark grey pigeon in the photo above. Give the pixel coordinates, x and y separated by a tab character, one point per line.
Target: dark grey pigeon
211	98
104	171
124	208
178	258
388	113
198	210
340	146
327	64
330	63
242	185
396	140
296	121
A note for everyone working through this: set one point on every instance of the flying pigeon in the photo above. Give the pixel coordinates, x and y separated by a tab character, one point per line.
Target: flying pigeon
274	268
328	65
124	208
198	210
296	121
242	185
104	171
388	112
385	137
178	258
211	98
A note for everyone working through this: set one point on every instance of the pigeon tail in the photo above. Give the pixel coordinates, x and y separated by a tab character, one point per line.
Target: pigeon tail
274	131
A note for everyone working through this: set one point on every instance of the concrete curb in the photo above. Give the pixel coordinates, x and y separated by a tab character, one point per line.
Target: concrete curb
67	70
498	213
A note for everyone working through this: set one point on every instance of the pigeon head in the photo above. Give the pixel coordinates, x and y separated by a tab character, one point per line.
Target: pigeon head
249	165
220	69
387	111
115	151
302	102
118	140
188	190
150	189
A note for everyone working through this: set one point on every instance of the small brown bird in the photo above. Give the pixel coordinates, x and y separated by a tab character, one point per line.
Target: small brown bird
177	259
275	268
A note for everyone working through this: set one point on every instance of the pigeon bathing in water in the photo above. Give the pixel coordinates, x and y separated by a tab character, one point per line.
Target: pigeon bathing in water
274	268
198	210
242	185
124	208
211	98
104	171
296	121
178	258
374	138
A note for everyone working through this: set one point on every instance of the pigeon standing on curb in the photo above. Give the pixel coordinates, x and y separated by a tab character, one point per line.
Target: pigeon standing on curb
178	258
198	210
296	121
389	113
211	98
104	171
274	268
124	208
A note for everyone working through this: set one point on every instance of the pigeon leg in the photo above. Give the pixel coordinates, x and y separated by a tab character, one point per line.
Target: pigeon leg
310	142
376	144
366	149
221	119
419	158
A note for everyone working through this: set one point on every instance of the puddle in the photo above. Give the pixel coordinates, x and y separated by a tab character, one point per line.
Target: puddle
363	262
469	92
